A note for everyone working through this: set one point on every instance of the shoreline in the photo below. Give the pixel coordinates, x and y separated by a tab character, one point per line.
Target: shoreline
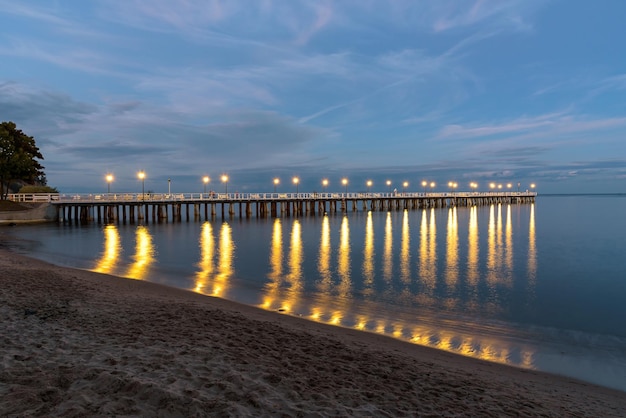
78	342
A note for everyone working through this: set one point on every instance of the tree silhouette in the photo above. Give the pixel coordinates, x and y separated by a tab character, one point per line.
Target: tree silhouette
18	158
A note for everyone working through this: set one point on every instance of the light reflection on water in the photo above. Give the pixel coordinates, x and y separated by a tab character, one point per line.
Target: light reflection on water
330	300
112	249
214	280
465	280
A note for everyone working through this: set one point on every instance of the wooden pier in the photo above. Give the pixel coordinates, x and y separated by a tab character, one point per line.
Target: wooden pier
145	208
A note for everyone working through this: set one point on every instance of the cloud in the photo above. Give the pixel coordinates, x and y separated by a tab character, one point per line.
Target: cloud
252	138
454	15
548	125
42	111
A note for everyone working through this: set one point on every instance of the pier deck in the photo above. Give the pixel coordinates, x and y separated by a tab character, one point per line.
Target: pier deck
159	207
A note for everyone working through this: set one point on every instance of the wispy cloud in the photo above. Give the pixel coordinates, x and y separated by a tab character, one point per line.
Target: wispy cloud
496	13
548	125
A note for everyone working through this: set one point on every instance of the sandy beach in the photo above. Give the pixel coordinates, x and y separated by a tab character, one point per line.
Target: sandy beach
78	343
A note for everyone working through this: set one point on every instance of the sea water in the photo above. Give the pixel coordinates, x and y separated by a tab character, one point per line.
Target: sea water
539	286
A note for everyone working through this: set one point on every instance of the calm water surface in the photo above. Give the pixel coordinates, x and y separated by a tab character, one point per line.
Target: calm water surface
538	286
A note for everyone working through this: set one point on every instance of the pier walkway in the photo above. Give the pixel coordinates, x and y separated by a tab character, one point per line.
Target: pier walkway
158	207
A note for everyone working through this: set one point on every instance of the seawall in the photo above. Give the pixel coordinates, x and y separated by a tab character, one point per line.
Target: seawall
34	213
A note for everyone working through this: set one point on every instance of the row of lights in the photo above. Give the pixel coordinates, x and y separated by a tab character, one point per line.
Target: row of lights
296	181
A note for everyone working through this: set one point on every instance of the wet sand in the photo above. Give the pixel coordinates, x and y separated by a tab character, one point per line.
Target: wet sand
78	343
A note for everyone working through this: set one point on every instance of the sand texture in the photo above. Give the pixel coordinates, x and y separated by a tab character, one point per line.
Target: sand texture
76	343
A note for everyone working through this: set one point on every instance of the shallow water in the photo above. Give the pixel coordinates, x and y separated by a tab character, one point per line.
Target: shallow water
537	286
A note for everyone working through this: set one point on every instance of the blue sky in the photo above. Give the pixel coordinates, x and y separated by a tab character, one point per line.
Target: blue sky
440	90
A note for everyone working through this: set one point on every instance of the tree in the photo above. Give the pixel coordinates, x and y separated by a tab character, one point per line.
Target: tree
18	158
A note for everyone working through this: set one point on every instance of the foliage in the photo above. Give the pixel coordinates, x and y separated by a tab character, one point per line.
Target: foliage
18	158
38	189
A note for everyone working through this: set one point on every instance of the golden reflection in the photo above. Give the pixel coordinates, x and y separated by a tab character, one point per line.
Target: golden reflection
332	304
209	273
276	262
452	249
500	248
225	266
361	322
388	257
532	249
427	267
112	249
405	250
423	245
508	232
480	348
368	256
432	246
295	268
206	257
144	254
491	245
344	259
323	263
473	248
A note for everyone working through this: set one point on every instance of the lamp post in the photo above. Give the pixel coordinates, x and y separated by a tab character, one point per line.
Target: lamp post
344	181
432	186
532	186
296	181
369	185
473	186
225	181
276	183
205	180
169	187
142	177
324	184
404	186
109	179
389	185
424	184
518	187
492	185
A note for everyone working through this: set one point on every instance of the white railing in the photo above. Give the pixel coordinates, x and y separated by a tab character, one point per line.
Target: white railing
216	197
34	197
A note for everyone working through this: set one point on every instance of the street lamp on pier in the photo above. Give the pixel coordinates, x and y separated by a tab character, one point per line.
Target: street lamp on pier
369	186
344	181
432	185
404	186
324	184
225	181
473	186
142	177
424	184
296	181
276	183
389	185
205	180
109	179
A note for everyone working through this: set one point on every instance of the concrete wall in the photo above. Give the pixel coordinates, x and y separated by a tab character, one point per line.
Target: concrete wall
39	212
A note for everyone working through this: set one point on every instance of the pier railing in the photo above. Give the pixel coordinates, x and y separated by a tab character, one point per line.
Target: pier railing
60	198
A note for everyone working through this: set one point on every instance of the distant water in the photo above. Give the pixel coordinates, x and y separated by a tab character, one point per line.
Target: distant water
538	286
